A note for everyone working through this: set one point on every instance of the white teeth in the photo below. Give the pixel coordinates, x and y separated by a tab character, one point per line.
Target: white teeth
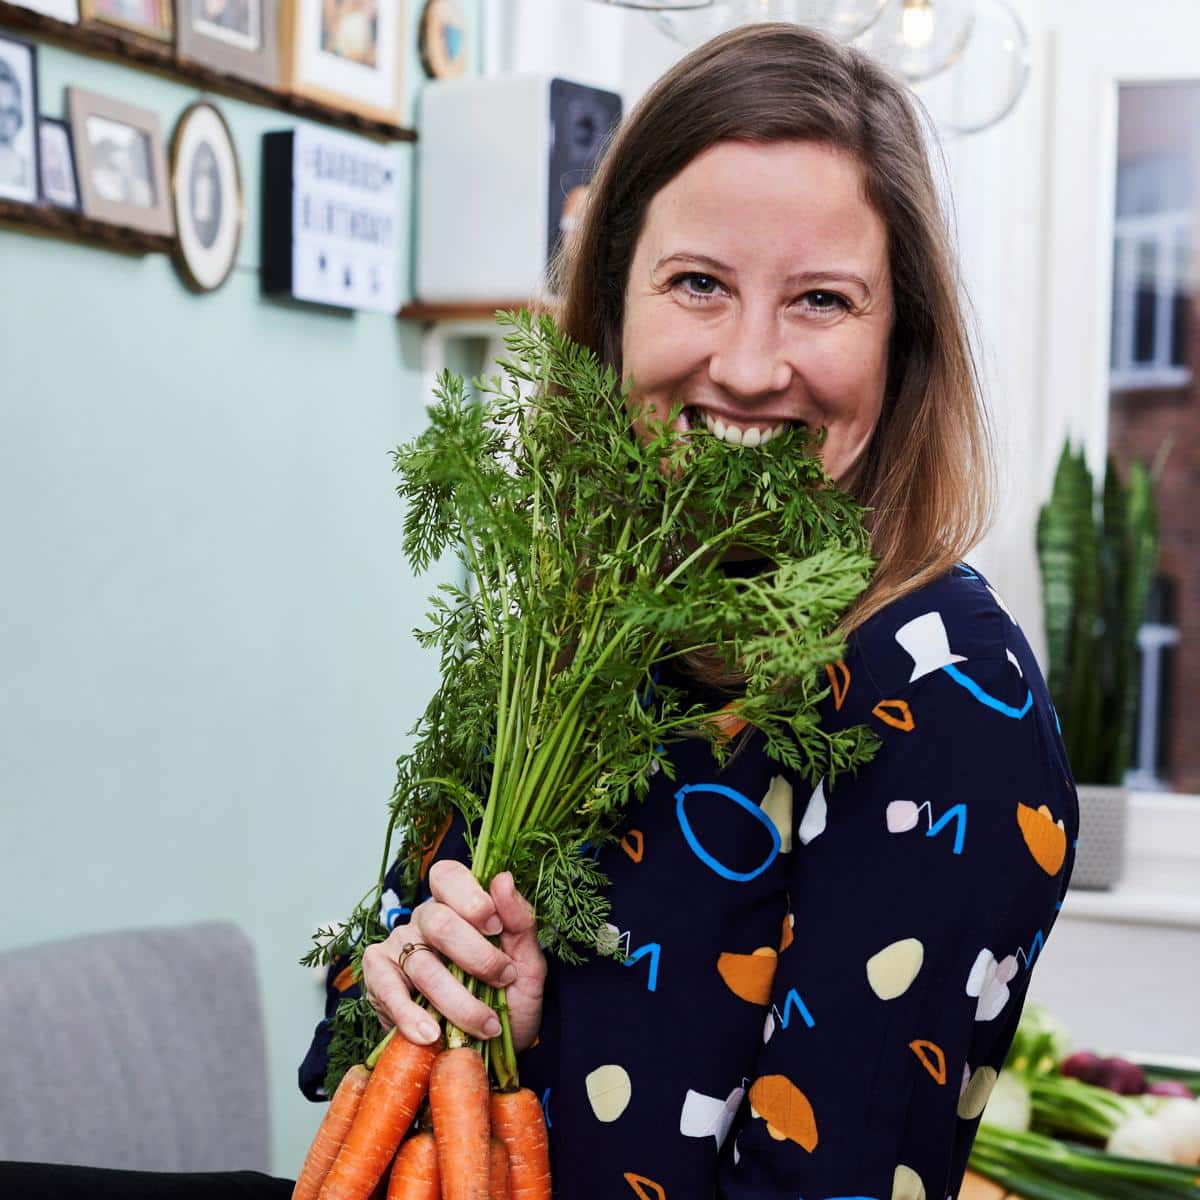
736	436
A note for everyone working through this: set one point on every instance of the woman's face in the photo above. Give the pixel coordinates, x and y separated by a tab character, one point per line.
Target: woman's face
760	294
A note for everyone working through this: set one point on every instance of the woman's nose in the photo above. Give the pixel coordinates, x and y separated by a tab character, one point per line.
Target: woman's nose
749	358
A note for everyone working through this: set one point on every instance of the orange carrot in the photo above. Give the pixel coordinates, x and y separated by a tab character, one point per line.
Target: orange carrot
331	1133
458	1099
499	1171
415	1171
395	1090
518	1122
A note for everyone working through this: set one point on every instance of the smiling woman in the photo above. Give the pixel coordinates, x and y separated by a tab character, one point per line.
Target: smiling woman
821	982
760	294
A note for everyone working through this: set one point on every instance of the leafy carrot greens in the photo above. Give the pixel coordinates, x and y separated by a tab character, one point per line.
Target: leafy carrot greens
592	559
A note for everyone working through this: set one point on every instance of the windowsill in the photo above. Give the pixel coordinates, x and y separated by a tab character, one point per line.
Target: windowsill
1161	883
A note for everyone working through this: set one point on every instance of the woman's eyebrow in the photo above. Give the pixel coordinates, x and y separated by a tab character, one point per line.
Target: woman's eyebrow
798	279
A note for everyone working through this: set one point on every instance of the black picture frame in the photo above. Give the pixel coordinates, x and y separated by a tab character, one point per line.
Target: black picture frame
30	111
47	196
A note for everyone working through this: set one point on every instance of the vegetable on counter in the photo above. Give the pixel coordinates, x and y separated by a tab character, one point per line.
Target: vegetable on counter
1063	1125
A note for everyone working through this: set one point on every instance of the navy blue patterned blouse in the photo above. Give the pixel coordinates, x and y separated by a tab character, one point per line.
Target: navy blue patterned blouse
819	985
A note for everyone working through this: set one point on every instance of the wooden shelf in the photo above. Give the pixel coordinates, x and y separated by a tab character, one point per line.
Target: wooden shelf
160	57
75	227
417	311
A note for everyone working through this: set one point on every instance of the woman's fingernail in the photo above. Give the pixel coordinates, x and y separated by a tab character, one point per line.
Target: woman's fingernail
494	925
491	1027
508	975
428	1031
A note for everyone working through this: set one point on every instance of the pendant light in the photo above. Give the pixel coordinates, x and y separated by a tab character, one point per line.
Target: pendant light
843	19
919	38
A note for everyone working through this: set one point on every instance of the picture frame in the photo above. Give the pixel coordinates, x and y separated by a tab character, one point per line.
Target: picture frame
235	37
443	40
59	181
19	150
66	11
345	53
206	191
143	18
120	162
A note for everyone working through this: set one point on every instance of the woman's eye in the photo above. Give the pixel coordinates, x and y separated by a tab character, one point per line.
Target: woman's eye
705	282
825	302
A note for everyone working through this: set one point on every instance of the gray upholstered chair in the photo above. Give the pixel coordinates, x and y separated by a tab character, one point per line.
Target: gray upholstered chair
143	1050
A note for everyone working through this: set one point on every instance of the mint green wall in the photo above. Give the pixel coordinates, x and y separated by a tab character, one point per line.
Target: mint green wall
205	630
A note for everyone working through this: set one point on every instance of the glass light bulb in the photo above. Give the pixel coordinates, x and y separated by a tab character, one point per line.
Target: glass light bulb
916	25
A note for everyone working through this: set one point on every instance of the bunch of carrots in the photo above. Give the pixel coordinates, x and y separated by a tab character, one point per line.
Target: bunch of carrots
472	1143
591	565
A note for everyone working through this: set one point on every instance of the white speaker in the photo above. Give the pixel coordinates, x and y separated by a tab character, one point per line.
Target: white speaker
502	164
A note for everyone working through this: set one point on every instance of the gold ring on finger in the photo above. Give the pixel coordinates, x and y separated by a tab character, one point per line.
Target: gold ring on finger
406	952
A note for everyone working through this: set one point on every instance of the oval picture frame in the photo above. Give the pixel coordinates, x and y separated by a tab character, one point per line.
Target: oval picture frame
206	193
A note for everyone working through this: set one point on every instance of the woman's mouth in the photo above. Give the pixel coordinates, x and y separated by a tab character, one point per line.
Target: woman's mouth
748	434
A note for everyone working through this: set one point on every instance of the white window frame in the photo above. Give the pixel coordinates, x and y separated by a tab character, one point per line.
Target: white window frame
1165	231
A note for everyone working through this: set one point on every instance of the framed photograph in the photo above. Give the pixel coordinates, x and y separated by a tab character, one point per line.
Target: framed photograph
207	190
66	11
148	18
18	120
443	39
347	53
237	37
59	186
120	162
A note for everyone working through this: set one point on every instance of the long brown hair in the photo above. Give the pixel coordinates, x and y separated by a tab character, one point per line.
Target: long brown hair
927	472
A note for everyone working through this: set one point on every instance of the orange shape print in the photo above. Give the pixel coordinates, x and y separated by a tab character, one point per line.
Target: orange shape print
634	844
435	845
930	1057
640	1184
839	680
786	1110
344	979
895	713
749	976
785	938
727	721
1045	837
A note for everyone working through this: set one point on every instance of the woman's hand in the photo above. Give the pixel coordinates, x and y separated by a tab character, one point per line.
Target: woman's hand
454	922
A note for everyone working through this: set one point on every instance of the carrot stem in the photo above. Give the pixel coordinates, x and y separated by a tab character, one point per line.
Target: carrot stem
373	1057
504	1060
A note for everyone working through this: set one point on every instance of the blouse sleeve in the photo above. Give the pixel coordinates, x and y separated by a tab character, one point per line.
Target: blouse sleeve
921	893
340	983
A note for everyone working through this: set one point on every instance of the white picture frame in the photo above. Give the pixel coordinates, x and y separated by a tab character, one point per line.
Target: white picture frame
66	11
357	66
206	191
20	164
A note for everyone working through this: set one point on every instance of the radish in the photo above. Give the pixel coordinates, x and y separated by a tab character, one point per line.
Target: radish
1083	1065
1121	1076
1170	1087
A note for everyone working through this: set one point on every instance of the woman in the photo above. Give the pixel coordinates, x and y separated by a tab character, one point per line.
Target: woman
763	241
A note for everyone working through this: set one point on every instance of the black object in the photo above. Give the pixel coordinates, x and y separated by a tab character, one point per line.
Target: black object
581	120
275	249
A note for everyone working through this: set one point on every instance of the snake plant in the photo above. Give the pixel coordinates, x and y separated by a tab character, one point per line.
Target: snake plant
1097	556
